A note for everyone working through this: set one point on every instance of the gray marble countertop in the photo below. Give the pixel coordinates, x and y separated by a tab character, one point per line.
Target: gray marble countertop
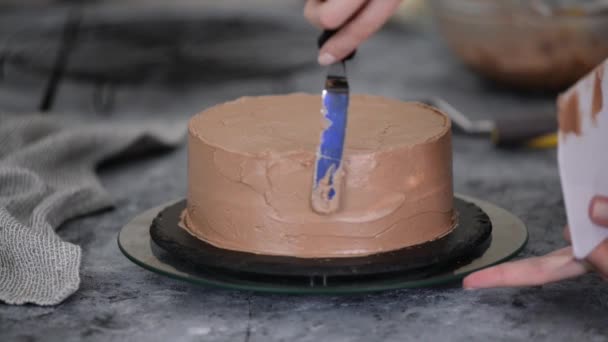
118	301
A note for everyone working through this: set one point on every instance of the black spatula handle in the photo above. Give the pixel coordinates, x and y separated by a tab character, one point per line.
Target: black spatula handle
324	37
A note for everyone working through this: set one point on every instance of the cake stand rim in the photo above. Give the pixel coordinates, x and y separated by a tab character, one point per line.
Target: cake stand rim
494	212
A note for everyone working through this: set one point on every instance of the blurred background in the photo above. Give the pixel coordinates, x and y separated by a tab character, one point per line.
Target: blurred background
141	60
174	58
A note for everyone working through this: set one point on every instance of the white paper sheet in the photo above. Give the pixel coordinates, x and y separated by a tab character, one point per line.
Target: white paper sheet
583	162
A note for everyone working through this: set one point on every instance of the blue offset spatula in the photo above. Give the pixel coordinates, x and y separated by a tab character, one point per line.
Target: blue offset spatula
328	165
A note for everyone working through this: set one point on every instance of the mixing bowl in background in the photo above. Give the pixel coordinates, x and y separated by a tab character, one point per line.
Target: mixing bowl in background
527	44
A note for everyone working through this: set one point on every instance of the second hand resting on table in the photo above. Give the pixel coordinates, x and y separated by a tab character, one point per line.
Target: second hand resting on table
555	266
358	20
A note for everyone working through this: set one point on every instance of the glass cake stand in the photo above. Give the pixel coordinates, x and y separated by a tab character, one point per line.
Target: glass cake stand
509	236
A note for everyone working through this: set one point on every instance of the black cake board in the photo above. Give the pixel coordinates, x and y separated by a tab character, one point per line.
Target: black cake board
155	241
468	240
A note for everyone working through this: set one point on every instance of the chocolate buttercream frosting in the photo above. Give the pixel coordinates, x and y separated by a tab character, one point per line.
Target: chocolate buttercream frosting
250	173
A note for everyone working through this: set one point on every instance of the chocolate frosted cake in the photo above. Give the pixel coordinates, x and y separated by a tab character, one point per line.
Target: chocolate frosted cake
250	173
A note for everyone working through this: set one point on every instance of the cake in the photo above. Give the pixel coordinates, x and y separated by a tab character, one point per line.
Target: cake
250	174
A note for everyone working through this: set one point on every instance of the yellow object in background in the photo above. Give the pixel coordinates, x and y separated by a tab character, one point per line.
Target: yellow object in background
545	141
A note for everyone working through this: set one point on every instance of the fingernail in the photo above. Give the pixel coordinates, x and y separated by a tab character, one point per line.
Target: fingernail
598	210
326	59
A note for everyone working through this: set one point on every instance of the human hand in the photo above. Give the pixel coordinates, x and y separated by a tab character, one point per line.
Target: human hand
357	20
555	266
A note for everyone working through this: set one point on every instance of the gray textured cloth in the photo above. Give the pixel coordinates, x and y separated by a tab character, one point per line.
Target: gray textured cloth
47	176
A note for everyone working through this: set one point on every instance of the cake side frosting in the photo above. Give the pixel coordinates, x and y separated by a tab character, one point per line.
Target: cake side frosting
250	165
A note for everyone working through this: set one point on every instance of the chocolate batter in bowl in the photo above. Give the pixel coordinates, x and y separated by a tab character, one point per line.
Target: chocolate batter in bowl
532	45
